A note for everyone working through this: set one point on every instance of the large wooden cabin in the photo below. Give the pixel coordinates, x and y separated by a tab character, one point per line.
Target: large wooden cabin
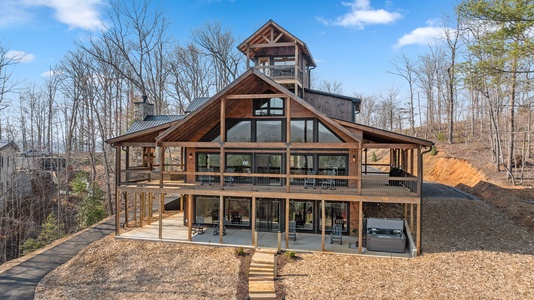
270	151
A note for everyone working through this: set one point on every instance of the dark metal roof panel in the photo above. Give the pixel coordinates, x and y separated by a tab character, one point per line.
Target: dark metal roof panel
152	121
196	103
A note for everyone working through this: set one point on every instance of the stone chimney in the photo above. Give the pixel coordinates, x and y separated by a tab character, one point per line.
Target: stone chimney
143	109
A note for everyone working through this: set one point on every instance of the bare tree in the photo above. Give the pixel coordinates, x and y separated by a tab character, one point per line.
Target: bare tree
135	45
404	67
220	45
190	75
333	87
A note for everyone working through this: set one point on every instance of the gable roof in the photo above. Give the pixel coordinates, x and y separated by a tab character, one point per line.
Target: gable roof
247	83
271	33
146	130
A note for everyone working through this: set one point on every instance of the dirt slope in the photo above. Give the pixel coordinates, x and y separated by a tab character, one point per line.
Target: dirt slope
514	201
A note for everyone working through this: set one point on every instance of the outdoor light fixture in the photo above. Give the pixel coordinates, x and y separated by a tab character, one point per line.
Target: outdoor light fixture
354	158
190	155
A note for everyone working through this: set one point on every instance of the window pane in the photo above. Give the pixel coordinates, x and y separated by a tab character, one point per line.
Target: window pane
208	208
301	212
240	163
284	61
240	132
269	107
269	131
302	131
327	136
237	212
208	161
336	213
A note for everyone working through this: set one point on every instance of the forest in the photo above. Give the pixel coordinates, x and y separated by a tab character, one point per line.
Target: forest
470	86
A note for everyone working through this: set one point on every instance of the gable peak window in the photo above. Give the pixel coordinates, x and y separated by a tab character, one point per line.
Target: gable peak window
268	107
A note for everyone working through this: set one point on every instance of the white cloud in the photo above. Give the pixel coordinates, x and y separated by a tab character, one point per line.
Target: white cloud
19	56
362	14
82	14
51	73
424	35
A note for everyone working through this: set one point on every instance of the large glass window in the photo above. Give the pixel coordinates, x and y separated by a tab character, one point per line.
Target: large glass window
207	207
334	165
237	212
268	107
284	61
302	131
207	161
269	131
239	163
301	212
269	164
327	136
239	132
336	213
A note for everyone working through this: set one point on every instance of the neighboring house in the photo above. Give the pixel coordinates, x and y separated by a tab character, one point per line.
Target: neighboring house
271	152
8	153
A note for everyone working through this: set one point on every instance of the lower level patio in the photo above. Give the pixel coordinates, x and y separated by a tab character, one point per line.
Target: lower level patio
173	230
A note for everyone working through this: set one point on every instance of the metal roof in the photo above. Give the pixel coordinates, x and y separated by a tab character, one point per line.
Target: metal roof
152	121
196	103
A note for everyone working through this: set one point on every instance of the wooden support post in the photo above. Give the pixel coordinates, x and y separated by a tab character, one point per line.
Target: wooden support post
253	222
189	211
126	209
287	223
150	206
418	237
288	139
359	169
117	212
117	184
360	227
323	221
141	208
411	217
366	162
161	203
221	218
405	211
135	207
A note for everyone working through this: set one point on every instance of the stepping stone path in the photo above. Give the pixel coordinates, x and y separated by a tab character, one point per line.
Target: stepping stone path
261	275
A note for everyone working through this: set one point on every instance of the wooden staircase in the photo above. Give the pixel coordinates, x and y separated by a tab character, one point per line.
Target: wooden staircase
261	275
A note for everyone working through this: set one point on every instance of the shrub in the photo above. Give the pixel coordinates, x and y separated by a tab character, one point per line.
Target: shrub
240	251
434	150
441	137
290	254
51	230
30	245
373	157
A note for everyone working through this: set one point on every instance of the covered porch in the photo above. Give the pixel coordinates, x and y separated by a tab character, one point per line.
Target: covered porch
174	230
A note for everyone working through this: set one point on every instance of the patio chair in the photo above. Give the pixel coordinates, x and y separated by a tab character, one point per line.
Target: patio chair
329	183
198	226
229	180
293	230
236	218
206	178
309	182
336	234
216	228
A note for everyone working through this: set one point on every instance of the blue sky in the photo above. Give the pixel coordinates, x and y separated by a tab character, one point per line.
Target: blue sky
352	41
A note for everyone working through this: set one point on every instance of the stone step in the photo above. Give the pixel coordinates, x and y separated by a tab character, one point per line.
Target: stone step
265	286
261	296
261	265
263	259
261	277
261	270
269	251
